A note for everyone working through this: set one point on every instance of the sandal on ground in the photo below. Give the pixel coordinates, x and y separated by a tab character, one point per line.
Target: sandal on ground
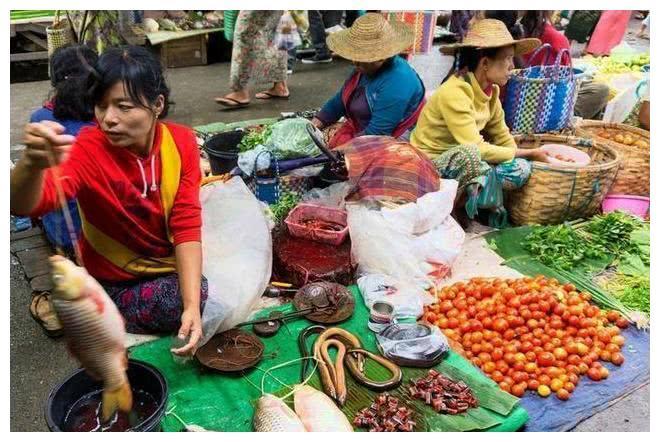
42	311
265	95
231	103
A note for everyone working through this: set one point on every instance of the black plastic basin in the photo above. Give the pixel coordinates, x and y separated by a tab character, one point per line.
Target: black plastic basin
141	375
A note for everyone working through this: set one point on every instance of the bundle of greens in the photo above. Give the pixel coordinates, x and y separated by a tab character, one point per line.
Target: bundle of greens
255	136
633	291
613	231
286	203
561	247
609	237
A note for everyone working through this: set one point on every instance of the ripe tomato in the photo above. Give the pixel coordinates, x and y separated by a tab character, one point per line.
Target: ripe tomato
500	325
618	340
543	390
594	374
556	385
563	394
505	386
617	358
604	373
559	353
519	389
613	316
545	359
573	359
533	384
488	367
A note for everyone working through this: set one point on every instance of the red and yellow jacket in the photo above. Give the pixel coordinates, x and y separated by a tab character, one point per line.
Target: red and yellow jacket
134	210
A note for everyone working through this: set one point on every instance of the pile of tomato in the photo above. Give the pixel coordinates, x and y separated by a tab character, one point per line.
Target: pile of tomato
529	334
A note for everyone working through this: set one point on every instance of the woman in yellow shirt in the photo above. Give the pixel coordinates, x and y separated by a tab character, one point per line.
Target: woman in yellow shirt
462	126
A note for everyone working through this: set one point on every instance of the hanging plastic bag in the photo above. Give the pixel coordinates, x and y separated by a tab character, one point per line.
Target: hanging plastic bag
287	36
237	254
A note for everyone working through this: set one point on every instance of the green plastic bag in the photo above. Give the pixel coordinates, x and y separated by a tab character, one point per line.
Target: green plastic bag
289	139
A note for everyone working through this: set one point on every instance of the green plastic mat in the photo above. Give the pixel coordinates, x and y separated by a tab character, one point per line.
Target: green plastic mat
226	402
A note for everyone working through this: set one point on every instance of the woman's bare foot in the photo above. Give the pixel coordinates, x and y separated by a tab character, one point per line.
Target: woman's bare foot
235	99
279	90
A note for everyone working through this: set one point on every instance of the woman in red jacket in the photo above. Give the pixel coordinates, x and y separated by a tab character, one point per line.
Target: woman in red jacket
136	180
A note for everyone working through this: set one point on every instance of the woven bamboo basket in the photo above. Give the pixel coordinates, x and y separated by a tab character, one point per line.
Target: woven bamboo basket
634	174
557	194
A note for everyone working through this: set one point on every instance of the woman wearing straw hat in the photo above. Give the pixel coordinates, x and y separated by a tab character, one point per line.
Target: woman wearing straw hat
383	95
462	126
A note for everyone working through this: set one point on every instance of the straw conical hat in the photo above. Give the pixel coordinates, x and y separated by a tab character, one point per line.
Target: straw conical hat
371	38
490	33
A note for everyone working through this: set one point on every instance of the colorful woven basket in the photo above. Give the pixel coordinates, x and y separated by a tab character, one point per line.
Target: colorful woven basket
635	172
557	194
423	24
542	98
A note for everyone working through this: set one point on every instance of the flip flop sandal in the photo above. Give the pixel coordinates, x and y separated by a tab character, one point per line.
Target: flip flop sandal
231	103
42	312
269	96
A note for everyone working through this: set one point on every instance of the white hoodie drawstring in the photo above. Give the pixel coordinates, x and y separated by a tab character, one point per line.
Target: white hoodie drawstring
144	176
153	174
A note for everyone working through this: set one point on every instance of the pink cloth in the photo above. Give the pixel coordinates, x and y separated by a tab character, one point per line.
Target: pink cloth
609	32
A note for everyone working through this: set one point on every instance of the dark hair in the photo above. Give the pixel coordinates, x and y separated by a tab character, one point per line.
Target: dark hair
533	23
70	69
138	69
510	20
469	58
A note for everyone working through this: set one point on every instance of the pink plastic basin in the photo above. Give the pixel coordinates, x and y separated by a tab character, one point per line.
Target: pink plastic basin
295	222
580	159
634	205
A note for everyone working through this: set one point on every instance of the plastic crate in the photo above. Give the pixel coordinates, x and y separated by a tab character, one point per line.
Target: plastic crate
303	212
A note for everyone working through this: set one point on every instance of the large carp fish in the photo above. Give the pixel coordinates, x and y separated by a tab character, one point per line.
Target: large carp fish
95	332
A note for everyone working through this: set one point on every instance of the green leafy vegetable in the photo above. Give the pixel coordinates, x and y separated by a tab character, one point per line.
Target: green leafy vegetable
286	203
255	136
613	232
560	247
633	291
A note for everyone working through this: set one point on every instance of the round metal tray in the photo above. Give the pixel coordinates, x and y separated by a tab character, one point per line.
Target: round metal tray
323	295
231	351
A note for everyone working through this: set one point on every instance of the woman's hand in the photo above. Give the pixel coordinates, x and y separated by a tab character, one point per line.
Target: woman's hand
191	326
537	154
317	123
45	142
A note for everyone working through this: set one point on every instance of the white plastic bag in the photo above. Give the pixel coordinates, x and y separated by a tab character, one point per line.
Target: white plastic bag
620	107
409	243
237	254
406	300
331	196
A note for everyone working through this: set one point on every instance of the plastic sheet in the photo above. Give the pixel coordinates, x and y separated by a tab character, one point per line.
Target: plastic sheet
237	253
589	398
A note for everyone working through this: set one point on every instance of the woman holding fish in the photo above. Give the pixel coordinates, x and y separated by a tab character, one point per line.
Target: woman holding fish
136	180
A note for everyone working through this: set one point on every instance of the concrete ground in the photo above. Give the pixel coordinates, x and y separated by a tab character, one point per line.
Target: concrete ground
38	363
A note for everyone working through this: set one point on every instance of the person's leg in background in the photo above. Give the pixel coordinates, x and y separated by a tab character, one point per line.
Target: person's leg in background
291	60
591	100
317	33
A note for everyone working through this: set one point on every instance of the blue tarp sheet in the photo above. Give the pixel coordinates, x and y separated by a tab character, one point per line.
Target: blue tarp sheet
589	398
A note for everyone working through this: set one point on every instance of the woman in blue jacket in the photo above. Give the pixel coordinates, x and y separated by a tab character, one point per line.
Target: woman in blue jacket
384	95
